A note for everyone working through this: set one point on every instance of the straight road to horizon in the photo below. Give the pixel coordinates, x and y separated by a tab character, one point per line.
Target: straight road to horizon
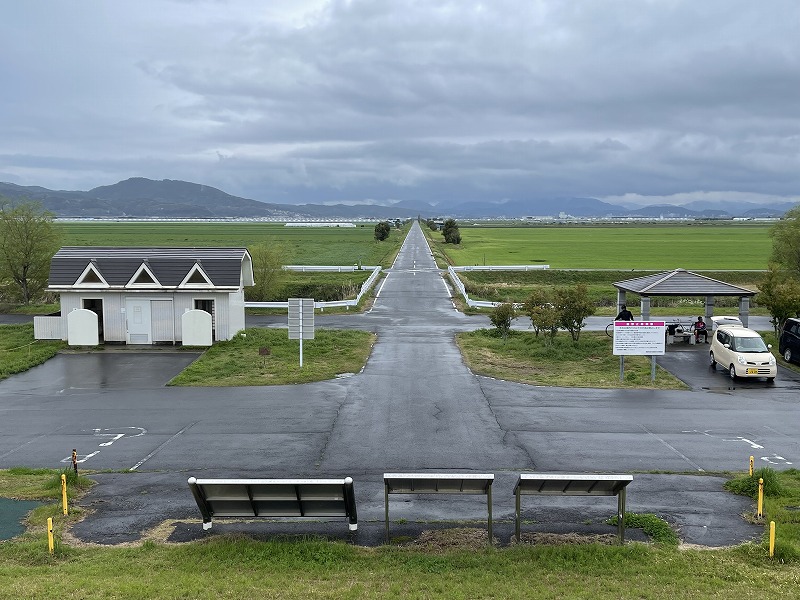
415	406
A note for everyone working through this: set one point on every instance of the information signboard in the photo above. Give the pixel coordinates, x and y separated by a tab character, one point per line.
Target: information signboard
639	338
301	318
301	321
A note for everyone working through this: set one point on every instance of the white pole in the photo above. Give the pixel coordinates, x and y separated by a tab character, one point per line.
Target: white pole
301	334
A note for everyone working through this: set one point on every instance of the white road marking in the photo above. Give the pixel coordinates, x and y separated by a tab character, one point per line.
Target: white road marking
80	460
746	441
117	436
380	289
447	288
683	456
154	452
738	438
778	460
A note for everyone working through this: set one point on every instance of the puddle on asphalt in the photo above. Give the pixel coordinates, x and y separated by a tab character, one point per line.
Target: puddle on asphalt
12	512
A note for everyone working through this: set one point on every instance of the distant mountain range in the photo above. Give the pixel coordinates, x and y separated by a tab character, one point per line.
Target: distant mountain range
140	197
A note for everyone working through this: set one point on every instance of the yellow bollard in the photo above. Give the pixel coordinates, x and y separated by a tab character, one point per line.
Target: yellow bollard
50	543
771	539
751	465
64	493
760	512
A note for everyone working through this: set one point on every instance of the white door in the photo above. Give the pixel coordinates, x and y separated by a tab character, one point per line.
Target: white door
137	317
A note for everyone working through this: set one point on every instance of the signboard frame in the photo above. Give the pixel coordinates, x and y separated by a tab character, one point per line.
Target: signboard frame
639	338
301	321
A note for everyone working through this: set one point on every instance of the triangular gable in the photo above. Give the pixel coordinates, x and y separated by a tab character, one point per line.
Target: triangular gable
196	277
91	277
144	277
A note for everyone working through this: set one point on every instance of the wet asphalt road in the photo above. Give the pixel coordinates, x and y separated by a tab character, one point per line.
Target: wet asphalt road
414	407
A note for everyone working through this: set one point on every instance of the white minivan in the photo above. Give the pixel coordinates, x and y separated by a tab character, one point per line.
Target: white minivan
742	352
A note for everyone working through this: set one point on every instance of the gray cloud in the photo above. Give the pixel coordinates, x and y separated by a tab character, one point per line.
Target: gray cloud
314	101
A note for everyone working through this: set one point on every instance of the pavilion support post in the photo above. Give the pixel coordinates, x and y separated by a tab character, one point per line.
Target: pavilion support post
744	310
620	300
645	304
709	307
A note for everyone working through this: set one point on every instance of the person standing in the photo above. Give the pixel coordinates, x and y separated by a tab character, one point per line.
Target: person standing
624	314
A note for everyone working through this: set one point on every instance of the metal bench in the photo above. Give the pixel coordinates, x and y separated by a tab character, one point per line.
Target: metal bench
275	498
573	484
438	483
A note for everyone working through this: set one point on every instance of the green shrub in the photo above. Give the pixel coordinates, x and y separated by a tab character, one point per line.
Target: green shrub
748	485
655	527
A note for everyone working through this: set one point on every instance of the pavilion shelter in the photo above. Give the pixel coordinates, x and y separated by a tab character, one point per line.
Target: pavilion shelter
681	282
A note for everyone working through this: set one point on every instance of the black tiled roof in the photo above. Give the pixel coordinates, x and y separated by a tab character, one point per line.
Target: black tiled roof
223	266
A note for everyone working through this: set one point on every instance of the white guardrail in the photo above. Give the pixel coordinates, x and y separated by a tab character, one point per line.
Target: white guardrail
452	272
376	271
503	268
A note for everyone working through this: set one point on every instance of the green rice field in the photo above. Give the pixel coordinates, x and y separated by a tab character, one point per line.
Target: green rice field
692	246
301	245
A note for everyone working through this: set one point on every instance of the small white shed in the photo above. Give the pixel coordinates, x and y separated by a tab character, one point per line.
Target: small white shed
140	294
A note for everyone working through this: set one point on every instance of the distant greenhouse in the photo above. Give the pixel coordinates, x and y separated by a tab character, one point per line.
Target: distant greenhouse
320	224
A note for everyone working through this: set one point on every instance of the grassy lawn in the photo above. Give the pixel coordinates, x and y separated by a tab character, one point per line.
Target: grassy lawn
238	362
693	246
236	566
31	309
19	351
525	358
302	245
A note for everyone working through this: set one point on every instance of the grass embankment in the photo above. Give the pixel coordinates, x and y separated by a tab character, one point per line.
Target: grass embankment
781	501
19	351
238	361
526	358
236	566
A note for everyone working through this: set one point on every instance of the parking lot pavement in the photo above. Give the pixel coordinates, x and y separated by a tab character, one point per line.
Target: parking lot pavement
100	370
690	363
125	507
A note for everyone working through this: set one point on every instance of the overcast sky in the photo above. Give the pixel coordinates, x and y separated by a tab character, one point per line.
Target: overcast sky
296	101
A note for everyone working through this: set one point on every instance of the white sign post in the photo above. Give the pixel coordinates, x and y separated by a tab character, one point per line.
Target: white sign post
301	321
639	338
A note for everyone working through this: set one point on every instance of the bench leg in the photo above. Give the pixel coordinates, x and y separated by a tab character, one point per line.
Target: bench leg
517	520
489	496
386	514
621	516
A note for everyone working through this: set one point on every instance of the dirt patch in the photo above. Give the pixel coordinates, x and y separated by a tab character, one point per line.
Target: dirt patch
564	539
440	540
443	540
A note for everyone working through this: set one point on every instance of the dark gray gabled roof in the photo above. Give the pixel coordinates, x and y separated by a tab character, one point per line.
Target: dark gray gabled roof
222	266
681	282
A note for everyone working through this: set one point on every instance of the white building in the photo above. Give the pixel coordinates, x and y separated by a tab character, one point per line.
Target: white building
145	295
